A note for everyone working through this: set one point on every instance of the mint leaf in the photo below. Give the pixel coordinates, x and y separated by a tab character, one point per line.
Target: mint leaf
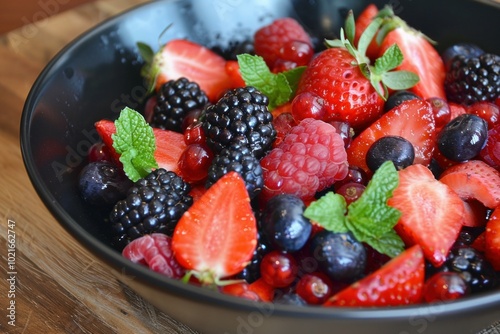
278	87
370	212
135	141
392	58
400	79
329	211
146	52
369	218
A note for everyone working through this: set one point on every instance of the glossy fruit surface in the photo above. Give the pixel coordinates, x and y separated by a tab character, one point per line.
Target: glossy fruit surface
393	148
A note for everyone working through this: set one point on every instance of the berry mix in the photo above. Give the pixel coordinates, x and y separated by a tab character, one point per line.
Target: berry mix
364	172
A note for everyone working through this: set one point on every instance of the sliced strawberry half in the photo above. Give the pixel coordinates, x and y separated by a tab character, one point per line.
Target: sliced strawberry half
412	120
217	236
169	145
474	180
420	57
431	212
399	282
183	58
492	239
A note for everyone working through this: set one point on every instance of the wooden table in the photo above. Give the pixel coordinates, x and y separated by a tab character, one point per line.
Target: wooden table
60	287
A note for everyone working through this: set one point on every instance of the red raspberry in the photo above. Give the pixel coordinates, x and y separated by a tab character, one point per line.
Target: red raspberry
272	42
310	158
154	251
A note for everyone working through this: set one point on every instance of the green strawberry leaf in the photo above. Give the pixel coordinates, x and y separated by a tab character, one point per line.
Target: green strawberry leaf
146	52
369	218
135	141
350	27
330	211
278	87
366	37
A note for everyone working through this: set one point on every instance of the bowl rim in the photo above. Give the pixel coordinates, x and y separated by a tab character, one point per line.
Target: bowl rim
146	276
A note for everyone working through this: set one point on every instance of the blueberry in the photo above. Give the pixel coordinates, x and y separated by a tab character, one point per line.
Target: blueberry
289	299
394	148
102	183
340	255
465	49
398	97
463	137
283	223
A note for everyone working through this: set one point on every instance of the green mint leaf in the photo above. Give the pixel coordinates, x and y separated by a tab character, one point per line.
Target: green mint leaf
134	140
329	211
389	244
293	77
397	80
367	36
278	87
350	27
392	58
370	217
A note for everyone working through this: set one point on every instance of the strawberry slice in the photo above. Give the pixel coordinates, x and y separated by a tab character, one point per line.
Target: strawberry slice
183	58
412	120
474	179
420	57
399	282
216	237
492	239
169	145
431	212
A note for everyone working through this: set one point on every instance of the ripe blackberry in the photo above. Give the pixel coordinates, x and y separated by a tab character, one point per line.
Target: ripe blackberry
174	100
473	267
470	79
240	159
240	116
153	204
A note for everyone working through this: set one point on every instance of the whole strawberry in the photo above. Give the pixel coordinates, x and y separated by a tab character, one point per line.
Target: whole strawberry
350	89
310	158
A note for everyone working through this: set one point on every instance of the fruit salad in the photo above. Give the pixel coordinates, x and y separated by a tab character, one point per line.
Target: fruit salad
358	171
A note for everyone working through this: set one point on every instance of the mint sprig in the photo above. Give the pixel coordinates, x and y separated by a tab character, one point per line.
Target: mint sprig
135	141
369	218
278	87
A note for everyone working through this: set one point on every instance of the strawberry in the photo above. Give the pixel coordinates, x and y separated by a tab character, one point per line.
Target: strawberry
169	145
420	57
352	90
233	70
399	282
492	239
182	58
273	41
474	214
362	22
216	237
474	179
431	212
412	120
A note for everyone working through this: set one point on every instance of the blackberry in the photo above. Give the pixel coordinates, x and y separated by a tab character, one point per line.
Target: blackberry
473	267
471	79
153	204
240	116
174	100
240	159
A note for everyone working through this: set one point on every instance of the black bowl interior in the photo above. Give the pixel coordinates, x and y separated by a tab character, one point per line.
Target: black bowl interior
98	74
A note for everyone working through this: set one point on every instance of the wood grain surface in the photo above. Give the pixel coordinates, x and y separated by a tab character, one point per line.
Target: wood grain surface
59	286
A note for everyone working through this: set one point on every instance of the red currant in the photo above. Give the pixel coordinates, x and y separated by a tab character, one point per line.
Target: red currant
194	134
278	269
491	151
314	288
307	105
351	191
354	174
194	162
192	117
149	108
445	285
297	52
99	152
486	110
441	110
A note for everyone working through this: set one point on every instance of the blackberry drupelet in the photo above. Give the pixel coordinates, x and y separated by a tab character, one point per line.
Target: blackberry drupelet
174	100
153	204
473	267
473	78
240	116
238	158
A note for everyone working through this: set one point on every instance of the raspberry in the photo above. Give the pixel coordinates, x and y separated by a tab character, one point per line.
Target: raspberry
272	41
154	250
310	158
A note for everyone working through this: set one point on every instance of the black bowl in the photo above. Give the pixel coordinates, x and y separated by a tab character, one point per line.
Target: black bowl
98	74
